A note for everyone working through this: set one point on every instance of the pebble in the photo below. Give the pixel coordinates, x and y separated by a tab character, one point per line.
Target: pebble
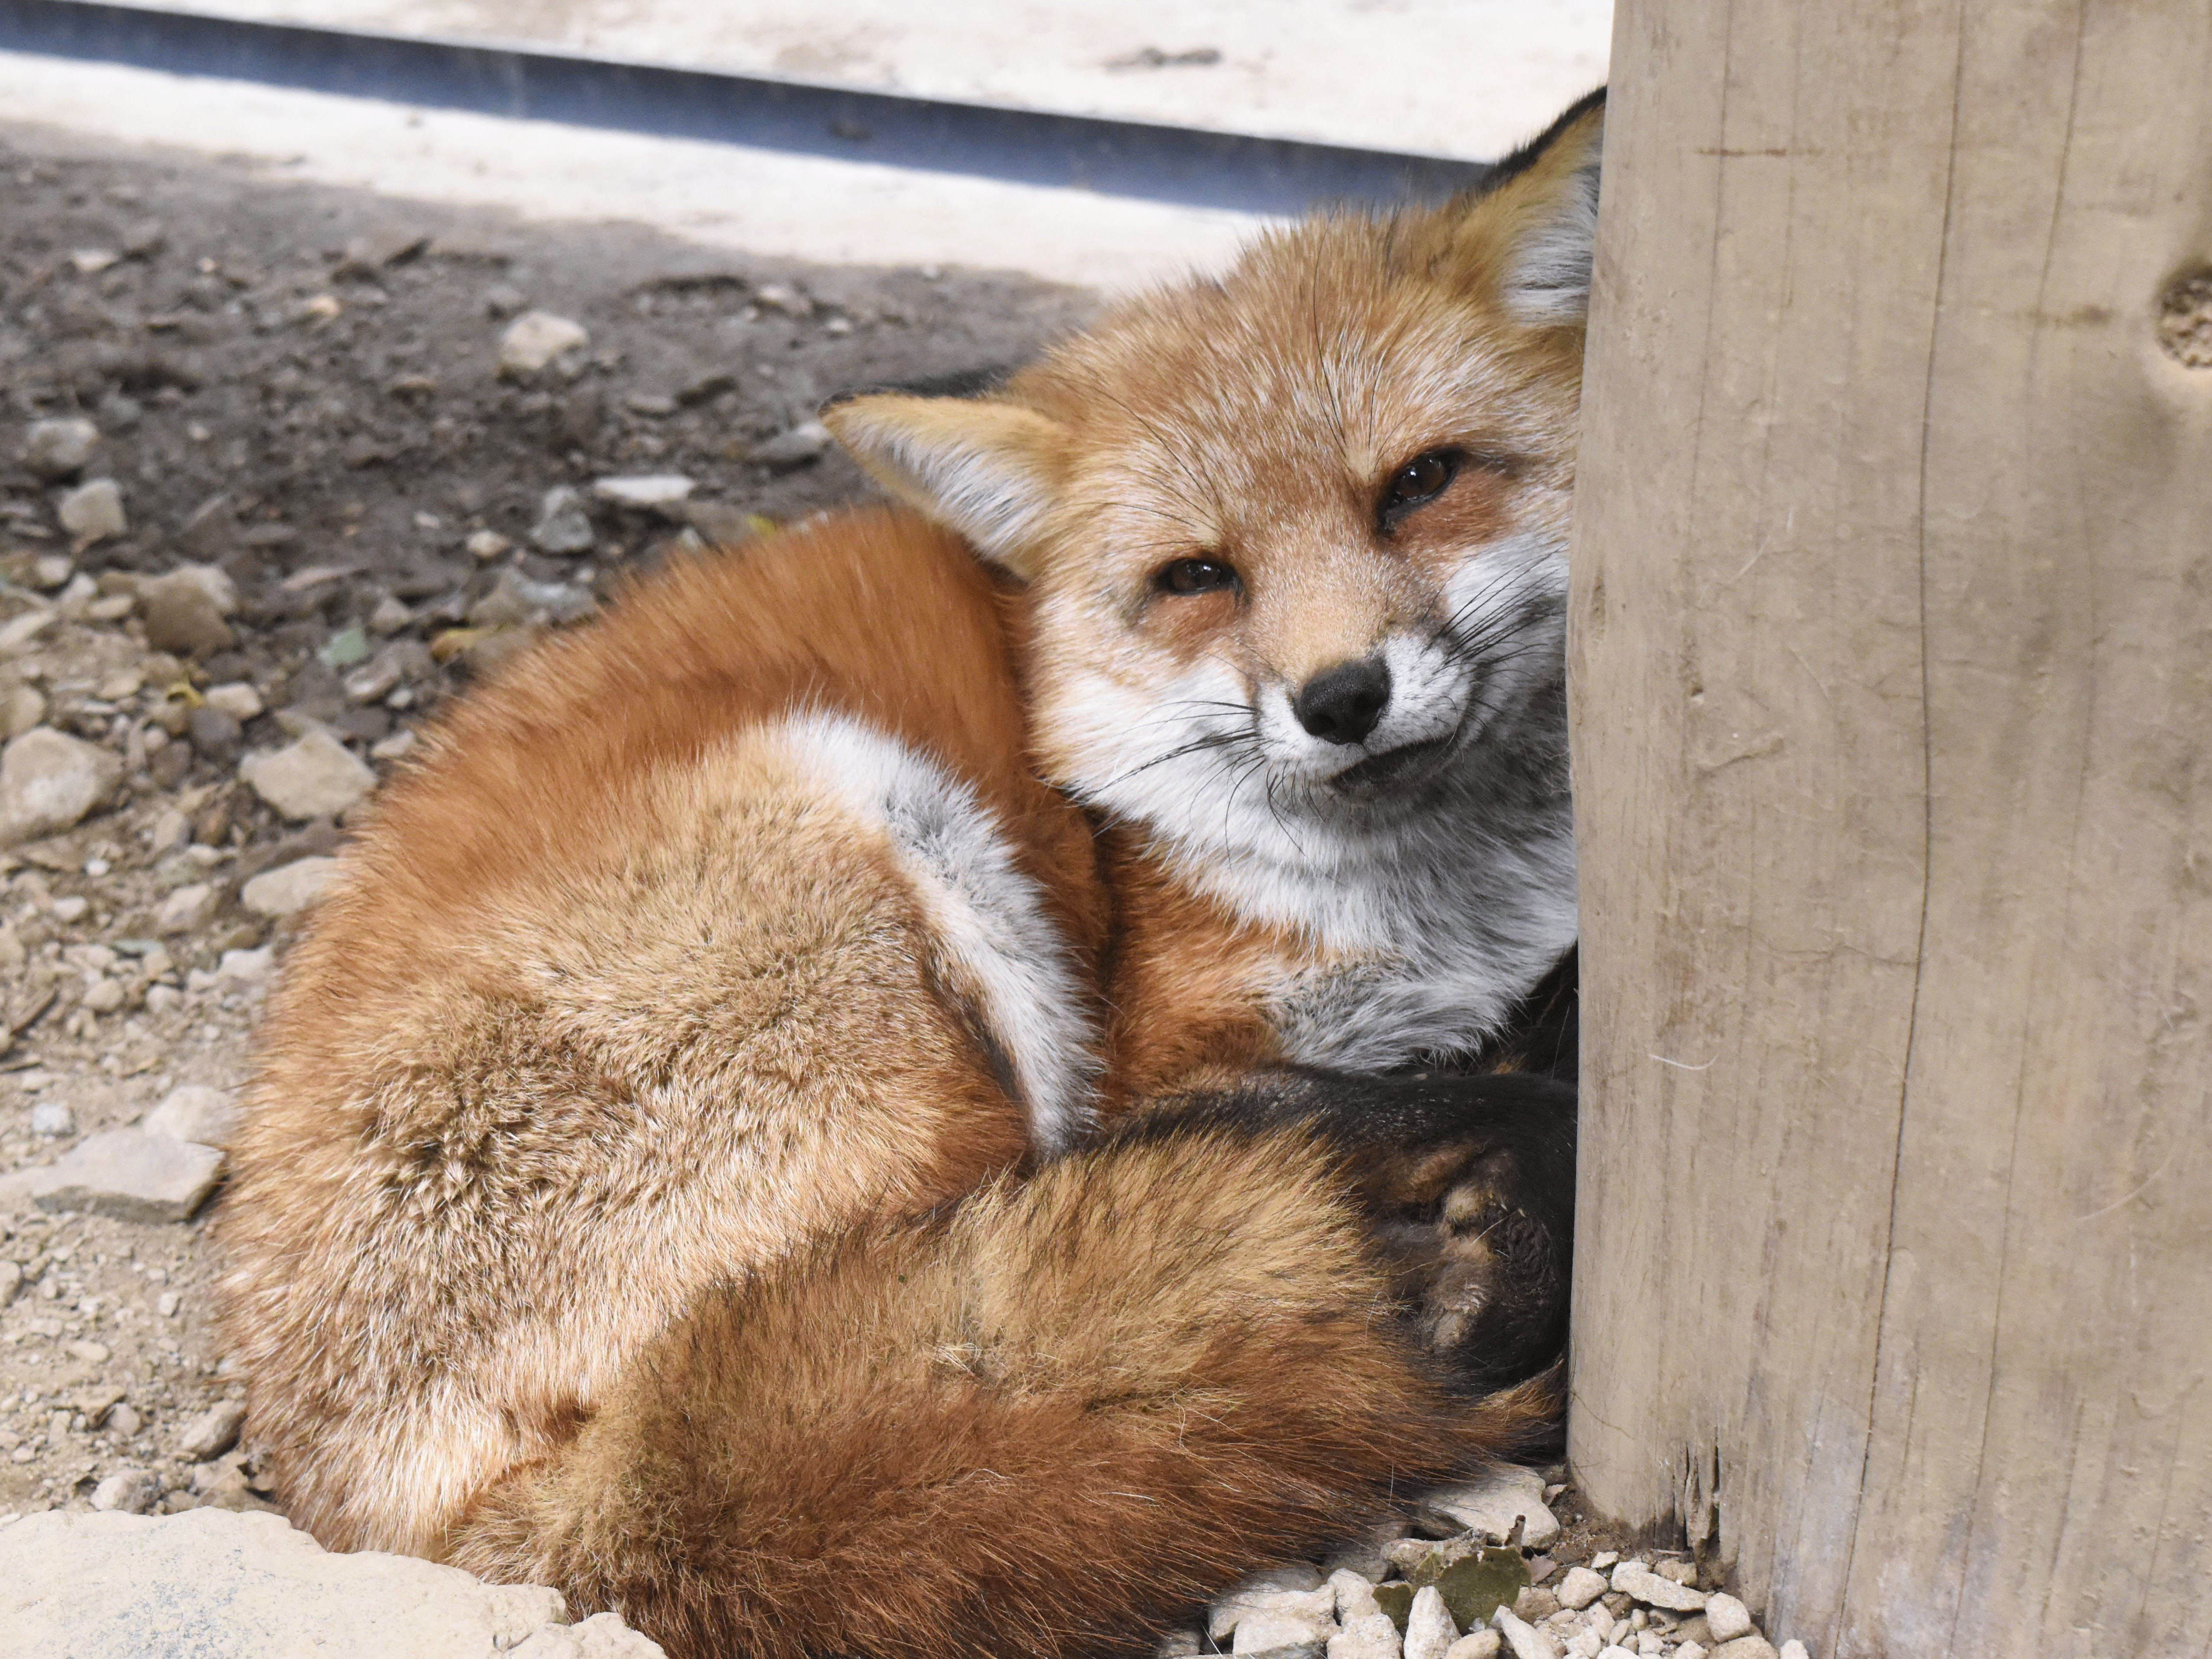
1430	1631
290	887
1690	1650
58	449
788	450
11	1281
1633	1578
1580	1588
1489	1508
195	1112
1523	1638
1745	1646
236	699
124	1173
49	780
1355	1597
1477	1644
1371	1635
20	710
563	524
213	1432
1277	1593
1282	1634
646	489
1726	1617
71	909
487	544
215	733
314	777
131	1492
92	512
185	610
52	1117
188	909
536	338
245	967
93	1353
1793	1649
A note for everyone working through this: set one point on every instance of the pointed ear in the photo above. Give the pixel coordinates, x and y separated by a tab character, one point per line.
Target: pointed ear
989	470
1538	219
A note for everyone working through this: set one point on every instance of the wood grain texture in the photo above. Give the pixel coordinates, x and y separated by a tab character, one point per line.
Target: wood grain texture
1892	661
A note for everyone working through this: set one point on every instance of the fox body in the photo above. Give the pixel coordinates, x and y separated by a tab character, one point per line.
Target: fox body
838	1109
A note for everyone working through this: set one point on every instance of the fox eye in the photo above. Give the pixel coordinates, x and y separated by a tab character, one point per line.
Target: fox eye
1420	480
1194	576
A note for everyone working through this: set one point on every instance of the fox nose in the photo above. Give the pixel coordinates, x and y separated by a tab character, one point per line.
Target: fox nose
1342	704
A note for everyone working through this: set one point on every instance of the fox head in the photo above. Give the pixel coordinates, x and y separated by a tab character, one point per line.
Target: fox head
1295	539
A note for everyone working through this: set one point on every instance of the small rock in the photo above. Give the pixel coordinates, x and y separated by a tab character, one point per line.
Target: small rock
188	909
1289	1592
389	615
1490	1508
11	1281
52	1117
1580	1588
213	1432
60	449
1605	1560
185	610
1795	1650
236	699
166	1304
245	967
1430	1631
131	1492
126	1421
52	570
1355	1597
124	1173
93	1353
314	777
1632	1578
397	746
563	524
215	733
1523	1638
1690	1649
1373	1636
648	489
487	544
801	446
1481	1644
71	909
92	512
1745	1646
345	648
290	887
1283	1635
195	1112
49	780
103	996
536	338
21	709
1536	1605
1726	1617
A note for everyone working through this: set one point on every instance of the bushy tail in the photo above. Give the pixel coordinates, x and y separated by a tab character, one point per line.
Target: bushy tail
1063	1412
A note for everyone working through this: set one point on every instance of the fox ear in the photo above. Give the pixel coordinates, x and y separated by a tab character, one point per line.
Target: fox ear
1542	212
989	470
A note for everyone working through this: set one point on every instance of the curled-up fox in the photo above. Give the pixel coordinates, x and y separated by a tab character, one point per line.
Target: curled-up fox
896	1094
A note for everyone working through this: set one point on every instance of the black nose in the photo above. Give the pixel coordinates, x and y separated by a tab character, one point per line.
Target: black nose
1341	704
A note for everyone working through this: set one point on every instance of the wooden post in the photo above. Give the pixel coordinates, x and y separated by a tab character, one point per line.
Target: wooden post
1892	660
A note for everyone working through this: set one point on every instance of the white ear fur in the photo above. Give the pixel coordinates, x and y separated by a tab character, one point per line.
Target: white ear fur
1547	274
987	470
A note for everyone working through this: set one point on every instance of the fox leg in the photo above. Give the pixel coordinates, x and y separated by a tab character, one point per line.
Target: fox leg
1068	1406
1468	1184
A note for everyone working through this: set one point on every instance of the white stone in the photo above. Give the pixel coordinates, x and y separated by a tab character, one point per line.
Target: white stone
1523	1638
213	1432
1370	1636
1794	1649
1605	1560
563	524
1726	1617
58	449
1691	1651
92	512
217	1582
644	489
195	1112
290	887
52	1117
1430	1631
1477	1644
1745	1646
11	1281
236	699
1261	1633
487	544
103	996
315	777
535	339
245	967
49	780
124	1173
1633	1578
21	709
1489	1508
1254	1597
188	909
1579	1587
1587	1644
1355	1597
130	1491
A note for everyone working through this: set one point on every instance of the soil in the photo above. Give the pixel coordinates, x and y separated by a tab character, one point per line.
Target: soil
298	386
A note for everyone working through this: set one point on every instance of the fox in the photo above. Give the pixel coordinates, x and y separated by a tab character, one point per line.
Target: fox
926	1085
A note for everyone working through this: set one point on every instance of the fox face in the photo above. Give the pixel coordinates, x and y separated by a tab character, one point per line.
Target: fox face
1294	541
